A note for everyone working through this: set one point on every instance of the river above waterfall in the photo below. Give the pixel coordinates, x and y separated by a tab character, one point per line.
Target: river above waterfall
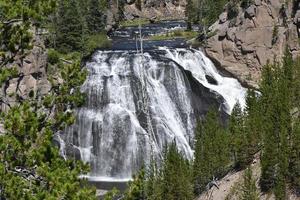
137	102
128	38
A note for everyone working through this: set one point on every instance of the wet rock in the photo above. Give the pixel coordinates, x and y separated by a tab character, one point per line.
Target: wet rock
211	80
72	150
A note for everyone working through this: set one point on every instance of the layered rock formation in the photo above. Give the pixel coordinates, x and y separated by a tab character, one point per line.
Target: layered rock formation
151	9
242	45
166	9
32	79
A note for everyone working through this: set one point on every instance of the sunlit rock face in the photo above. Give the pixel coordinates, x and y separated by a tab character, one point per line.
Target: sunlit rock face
138	103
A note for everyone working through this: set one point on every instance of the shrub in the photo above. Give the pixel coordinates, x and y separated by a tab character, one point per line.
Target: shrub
53	56
96	41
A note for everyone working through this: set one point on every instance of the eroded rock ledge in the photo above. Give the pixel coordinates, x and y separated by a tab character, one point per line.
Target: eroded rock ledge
258	34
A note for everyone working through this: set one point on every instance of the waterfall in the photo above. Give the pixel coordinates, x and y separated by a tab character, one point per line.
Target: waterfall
137	104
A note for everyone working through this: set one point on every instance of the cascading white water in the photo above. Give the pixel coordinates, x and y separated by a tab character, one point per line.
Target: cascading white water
200	66
137	104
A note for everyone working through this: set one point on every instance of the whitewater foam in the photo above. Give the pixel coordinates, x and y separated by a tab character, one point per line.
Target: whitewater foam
137	104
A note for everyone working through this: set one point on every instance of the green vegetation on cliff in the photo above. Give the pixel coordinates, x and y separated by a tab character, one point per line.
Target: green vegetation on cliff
31	166
79	26
205	12
175	34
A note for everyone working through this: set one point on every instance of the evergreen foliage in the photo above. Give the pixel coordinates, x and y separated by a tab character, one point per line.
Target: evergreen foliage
294	165
78	25
172	181
238	138
70	26
16	18
53	57
204	12
249	189
279	155
190	14
176	176
212	154
95	17
30	164
27	145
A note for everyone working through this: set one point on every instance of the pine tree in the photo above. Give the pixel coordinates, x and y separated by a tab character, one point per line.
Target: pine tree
16	20
171	182
70	26
294	165
95	16
201	171
249	189
153	182
239	145
212	154
294	138
176	176
253	124
30	164
269	153
277	105
295	84
136	188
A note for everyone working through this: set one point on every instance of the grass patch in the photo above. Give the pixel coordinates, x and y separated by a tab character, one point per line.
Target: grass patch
53	56
134	22
175	34
96	41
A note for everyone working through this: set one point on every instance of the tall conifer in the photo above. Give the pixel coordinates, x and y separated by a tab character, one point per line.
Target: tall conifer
249	189
70	26
96	16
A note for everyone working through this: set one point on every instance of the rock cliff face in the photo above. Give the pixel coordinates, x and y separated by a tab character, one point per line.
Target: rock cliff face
242	45
32	80
161	9
151	9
